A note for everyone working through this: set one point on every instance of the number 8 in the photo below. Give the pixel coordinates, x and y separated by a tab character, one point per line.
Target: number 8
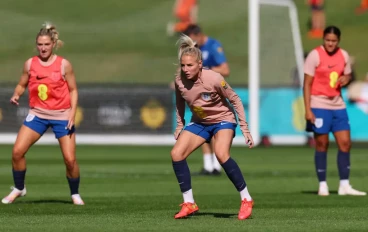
42	92
199	111
334	76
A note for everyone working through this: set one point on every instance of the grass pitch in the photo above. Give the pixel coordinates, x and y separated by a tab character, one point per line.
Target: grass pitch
134	189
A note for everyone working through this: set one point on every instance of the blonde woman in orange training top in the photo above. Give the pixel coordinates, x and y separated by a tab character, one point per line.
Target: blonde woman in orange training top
213	118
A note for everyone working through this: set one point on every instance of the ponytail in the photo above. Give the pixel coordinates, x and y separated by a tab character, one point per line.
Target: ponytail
188	47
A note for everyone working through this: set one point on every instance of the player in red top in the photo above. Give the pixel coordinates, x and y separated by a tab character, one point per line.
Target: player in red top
213	118
327	68
53	99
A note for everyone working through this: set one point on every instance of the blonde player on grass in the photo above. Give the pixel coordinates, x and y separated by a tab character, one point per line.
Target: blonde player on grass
327	69
53	98
213	57
207	95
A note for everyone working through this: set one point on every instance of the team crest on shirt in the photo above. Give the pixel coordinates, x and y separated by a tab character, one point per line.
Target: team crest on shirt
220	50
55	76
206	96
224	84
205	55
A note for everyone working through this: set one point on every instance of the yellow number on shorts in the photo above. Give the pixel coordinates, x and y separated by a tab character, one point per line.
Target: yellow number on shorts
199	111
42	92
334	76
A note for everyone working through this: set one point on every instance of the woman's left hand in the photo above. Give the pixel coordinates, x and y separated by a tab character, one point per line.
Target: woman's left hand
71	120
344	80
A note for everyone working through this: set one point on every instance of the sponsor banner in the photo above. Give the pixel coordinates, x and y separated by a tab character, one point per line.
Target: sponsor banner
105	109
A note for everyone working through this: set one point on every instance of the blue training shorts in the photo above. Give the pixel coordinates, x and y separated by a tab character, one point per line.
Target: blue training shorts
329	121
207	131
41	125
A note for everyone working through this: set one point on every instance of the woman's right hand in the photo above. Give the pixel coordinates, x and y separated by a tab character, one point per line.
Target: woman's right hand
14	100
309	116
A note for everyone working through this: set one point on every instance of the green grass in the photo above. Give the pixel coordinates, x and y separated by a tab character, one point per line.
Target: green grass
134	189
125	41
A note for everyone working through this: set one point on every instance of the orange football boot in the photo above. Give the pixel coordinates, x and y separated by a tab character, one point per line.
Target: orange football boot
187	209
245	209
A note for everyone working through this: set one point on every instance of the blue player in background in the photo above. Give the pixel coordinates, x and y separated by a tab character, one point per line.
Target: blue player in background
213	58
212	51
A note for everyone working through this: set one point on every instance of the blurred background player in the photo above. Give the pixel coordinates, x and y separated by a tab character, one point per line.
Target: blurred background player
186	13
53	98
318	19
327	69
213	118
213	58
358	94
363	7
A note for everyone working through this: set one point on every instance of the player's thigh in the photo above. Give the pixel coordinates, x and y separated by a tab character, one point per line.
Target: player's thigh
29	133
322	142
65	137
59	127
323	122
343	140
341	129
340	121
222	144
185	145
25	139
67	146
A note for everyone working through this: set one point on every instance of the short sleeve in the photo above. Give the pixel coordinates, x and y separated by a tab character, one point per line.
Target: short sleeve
311	63
347	69
218	53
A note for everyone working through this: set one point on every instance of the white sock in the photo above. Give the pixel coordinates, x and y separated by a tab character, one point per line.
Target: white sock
216	164
207	162
244	194
344	183
323	184
188	196
76	197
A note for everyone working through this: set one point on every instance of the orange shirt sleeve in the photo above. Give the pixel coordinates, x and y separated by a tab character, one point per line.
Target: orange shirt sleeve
224	90
180	108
